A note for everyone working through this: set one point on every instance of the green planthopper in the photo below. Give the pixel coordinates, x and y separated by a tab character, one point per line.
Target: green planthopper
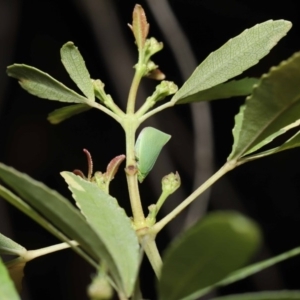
147	148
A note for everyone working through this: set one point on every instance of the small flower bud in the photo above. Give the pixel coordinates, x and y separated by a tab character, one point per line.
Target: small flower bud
100	93
170	183
151	218
100	289
156	74
151	66
164	89
152	46
100	179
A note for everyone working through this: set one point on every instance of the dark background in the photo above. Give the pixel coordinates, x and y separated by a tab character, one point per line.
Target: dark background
32	32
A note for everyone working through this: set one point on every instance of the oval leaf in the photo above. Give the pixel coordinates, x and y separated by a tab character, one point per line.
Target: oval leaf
75	66
61	213
274	104
9	247
246	272
42	85
7	289
66	112
217	245
233	88
111	223
234	57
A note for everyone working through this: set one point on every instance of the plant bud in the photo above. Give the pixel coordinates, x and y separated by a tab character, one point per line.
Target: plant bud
100	179
170	183
140	26
100	289
164	89
152	46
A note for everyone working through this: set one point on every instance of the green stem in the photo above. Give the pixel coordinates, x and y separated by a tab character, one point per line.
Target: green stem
155	111
32	254
115	108
161	200
163	222
135	201
106	110
130	124
131	172
133	90
149	245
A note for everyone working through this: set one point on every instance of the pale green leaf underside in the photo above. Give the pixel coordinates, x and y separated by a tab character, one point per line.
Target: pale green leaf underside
205	254
75	66
233	88
66	112
246	272
273	105
59	211
111	223
293	142
42	85
7	288
270	295
27	210
8	246
234	57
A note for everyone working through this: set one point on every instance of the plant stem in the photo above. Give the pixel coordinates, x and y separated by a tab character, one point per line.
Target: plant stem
149	245
131	172
155	111
161	200
116	109
130	125
133	90
163	222
105	110
135	201
32	254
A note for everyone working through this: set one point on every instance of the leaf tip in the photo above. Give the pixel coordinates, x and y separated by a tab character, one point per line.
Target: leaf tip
71	181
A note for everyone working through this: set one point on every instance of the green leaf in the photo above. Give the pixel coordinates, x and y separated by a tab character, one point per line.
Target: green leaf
61	114
60	212
7	289
111	223
233	88
8	246
15	269
42	85
75	66
274	104
234	57
27	210
293	142
206	253
272	295
246	272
